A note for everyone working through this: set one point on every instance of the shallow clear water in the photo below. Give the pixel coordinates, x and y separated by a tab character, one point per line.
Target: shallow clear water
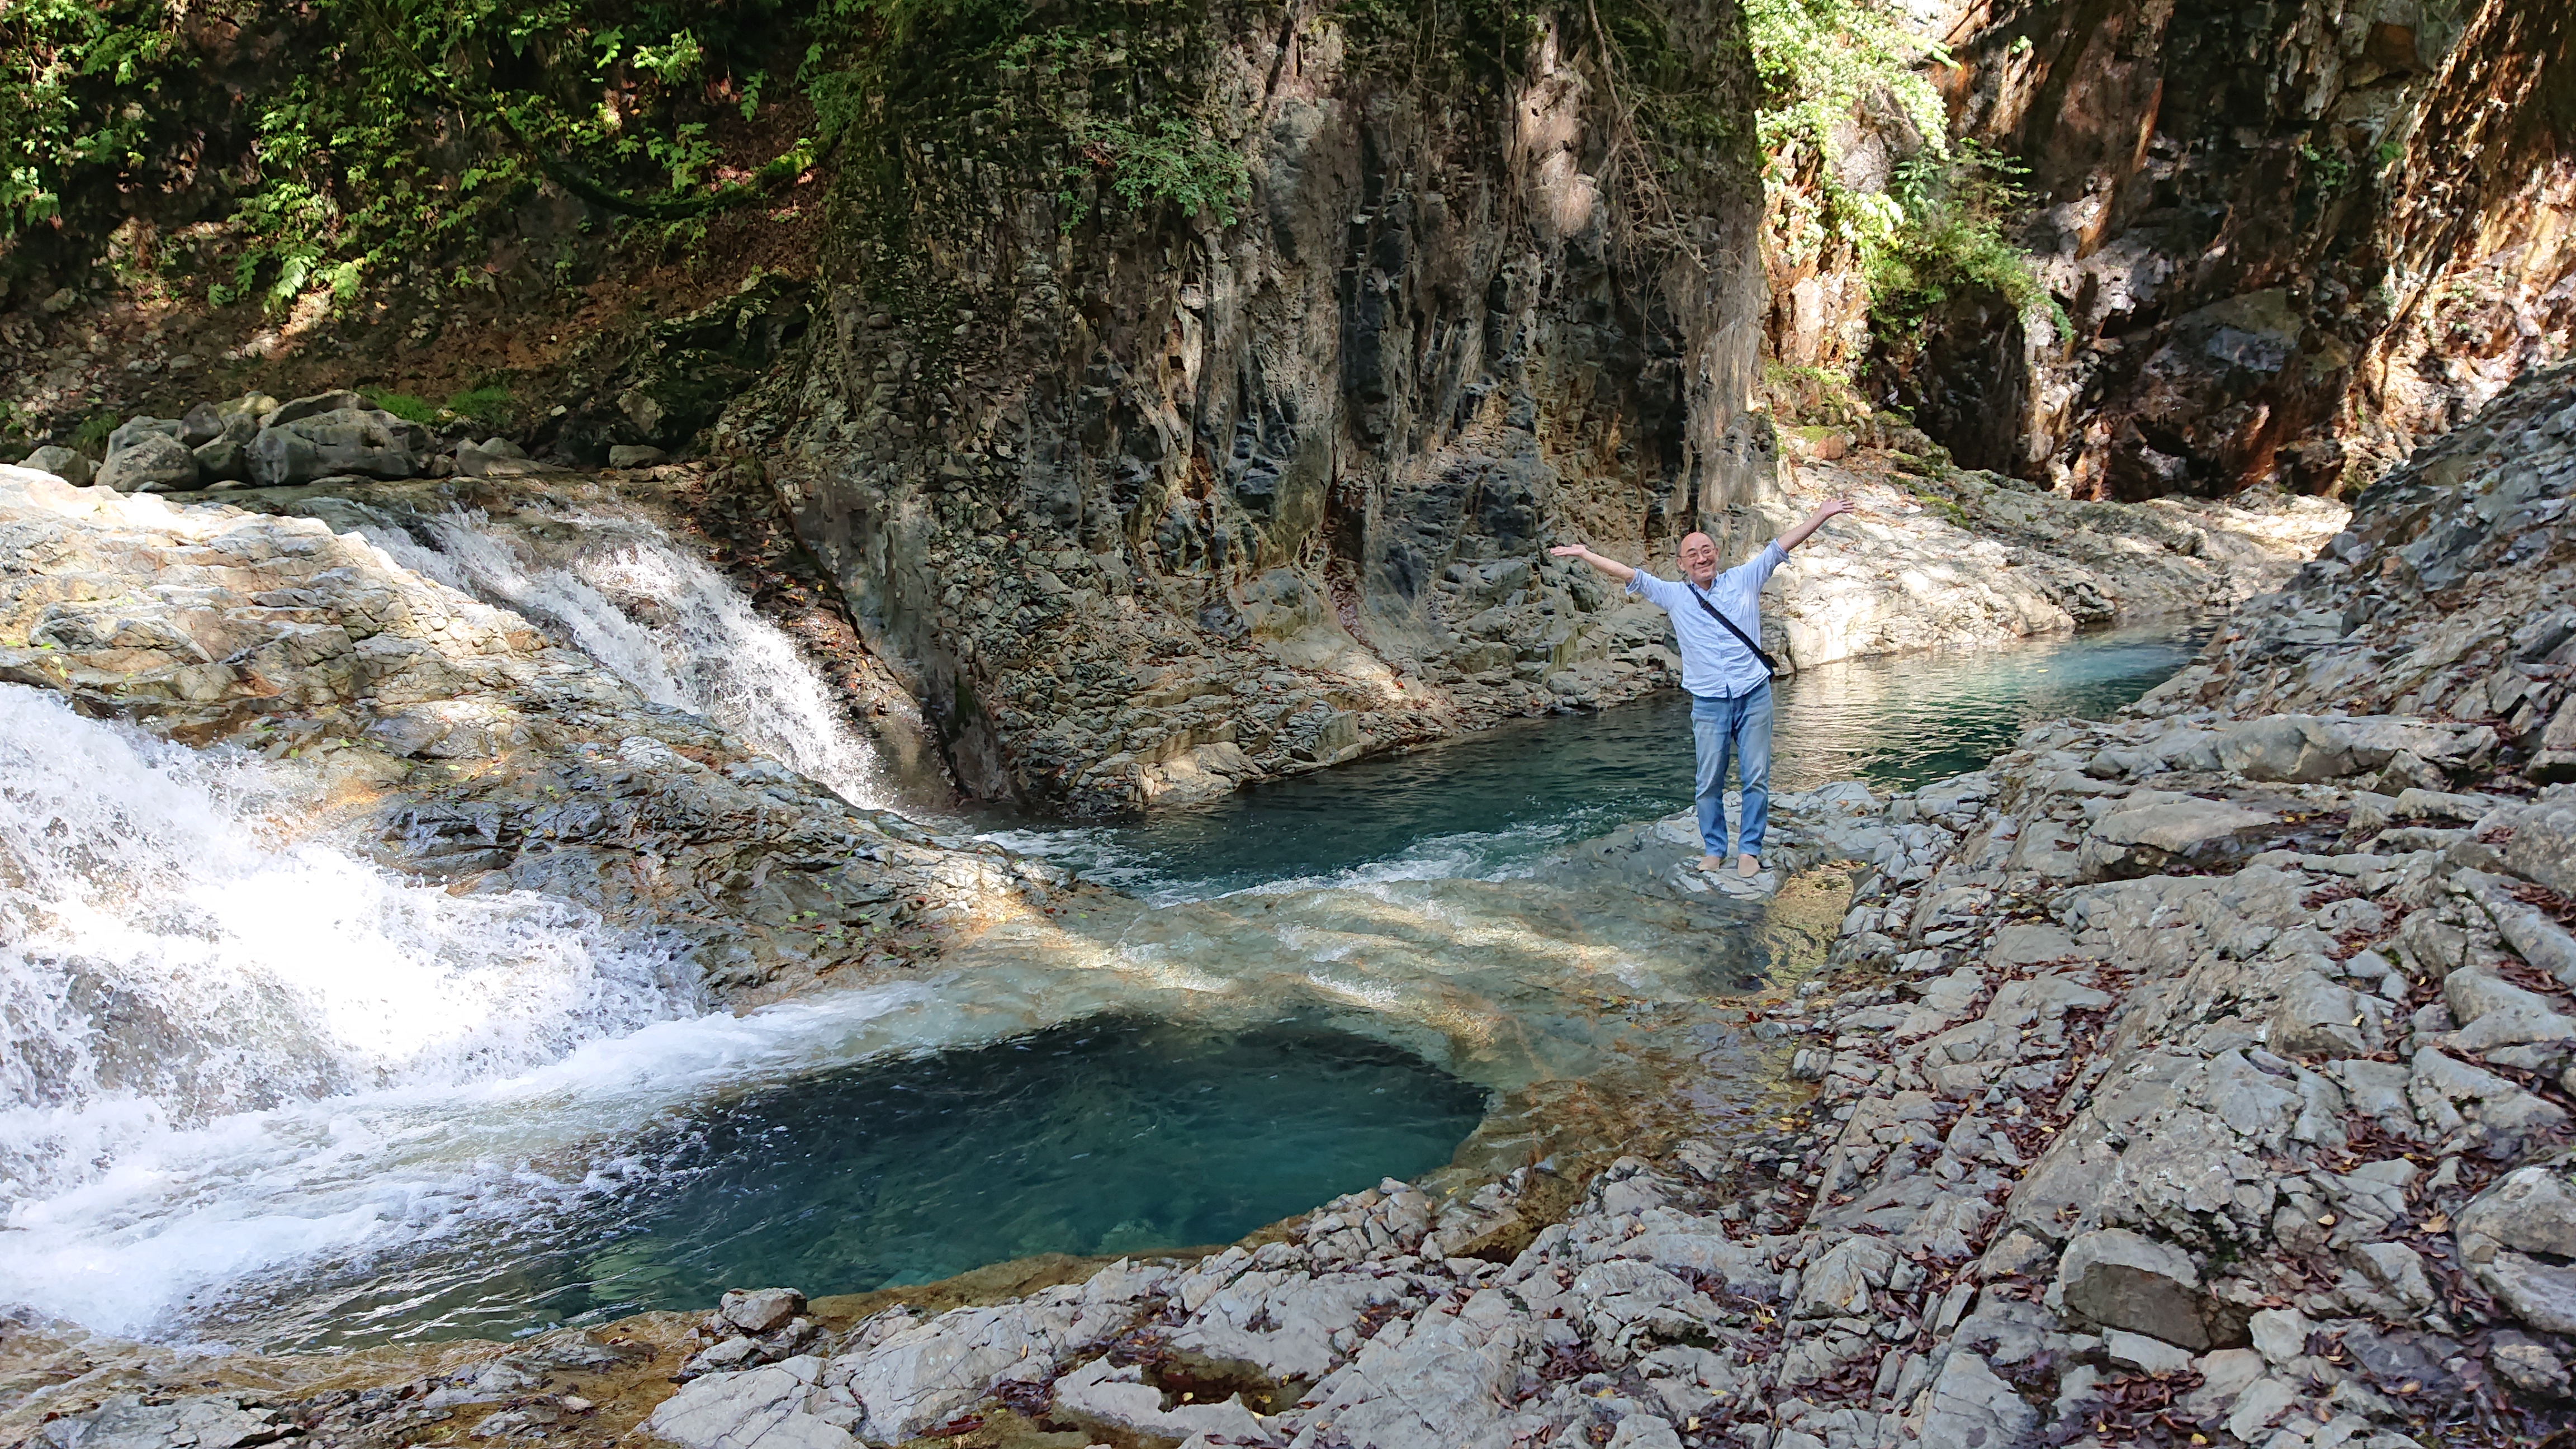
1111	1135
1493	803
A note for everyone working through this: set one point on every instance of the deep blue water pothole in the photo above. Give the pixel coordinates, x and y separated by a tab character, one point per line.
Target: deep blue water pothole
1112	1135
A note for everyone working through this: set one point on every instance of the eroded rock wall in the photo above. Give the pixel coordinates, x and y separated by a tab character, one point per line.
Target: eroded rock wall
2286	242
2207	180
1081	461
2479	235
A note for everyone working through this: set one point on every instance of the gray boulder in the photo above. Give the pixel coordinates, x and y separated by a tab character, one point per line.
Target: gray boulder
766	1408
2530	1209
2148	838
200	425
492	458
127	1421
628	456
360	441
313	407
237	420
222	461
2544	840
1972	1406
150	463
63	463
1122	1403
2528	1366
2119	1279
134	429
2555	763
2539	1293
2304	749
2286	747
760	1310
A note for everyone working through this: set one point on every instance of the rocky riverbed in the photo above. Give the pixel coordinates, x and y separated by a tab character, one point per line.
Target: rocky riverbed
2200	1082
2194	1076
2195	1073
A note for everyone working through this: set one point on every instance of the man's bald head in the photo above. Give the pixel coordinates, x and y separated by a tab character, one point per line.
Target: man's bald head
1698	555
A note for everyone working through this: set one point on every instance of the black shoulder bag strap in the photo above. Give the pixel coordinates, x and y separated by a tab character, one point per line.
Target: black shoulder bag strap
1770	666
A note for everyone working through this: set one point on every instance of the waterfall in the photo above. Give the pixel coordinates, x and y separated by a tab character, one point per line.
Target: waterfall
171	952
627	594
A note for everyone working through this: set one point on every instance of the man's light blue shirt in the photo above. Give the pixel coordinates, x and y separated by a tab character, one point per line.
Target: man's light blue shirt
1715	663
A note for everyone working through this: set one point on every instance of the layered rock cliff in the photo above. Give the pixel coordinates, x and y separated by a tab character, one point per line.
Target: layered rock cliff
1068	454
2286	242
1150	500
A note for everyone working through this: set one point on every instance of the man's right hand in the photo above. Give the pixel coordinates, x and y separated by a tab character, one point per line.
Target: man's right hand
1612	567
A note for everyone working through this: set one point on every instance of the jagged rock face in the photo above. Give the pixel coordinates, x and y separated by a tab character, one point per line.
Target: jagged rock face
2473	525
660	385
2475	230
1047	455
2204	173
2292	241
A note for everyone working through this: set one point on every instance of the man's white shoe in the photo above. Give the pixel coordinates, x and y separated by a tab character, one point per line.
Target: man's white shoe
1711	864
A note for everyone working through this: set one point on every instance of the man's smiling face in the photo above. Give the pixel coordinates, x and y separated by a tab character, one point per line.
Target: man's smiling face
1699	559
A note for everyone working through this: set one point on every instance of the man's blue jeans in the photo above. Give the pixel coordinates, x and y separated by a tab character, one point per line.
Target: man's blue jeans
1744	725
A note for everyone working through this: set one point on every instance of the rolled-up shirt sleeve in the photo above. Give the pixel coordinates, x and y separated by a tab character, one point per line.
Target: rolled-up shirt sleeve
1663	592
1771	557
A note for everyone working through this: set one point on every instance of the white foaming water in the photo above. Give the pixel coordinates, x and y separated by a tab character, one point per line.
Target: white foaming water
194	1221
630	597
168	956
230	1057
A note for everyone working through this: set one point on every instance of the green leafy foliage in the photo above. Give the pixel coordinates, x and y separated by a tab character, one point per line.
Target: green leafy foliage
82	80
91	436
1937	229
394	132
403	405
871	57
1162	158
1951	240
1117	88
489	402
2330	168
1822	63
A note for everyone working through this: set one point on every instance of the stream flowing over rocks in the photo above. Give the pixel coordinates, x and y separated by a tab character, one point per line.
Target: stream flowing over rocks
2199	1076
358	701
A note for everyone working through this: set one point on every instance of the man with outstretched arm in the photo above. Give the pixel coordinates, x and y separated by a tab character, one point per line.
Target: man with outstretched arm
1730	685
